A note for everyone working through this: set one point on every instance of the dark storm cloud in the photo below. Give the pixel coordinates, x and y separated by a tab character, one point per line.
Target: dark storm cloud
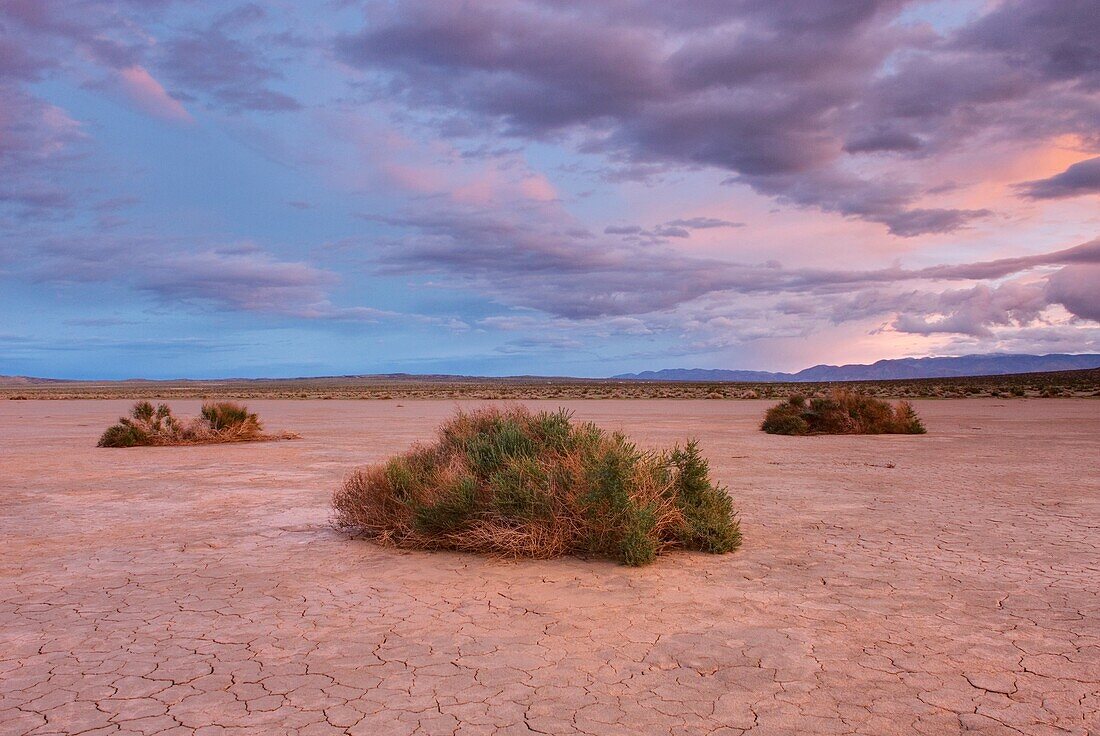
780	94
1080	179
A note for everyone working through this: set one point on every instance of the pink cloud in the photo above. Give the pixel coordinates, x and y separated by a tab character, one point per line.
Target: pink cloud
148	94
538	188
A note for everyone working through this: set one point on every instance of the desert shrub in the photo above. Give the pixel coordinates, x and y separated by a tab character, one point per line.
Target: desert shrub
842	412
217	422
906	420
123	434
227	414
706	508
518	483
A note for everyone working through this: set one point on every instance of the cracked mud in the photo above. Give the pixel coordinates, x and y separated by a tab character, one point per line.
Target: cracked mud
887	585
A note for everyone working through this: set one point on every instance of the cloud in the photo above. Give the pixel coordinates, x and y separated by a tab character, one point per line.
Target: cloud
539	344
1077	288
116	36
973	311
787	99
33	132
531	258
92	27
550	267
881	140
36	139
19	62
679	228
922	221
237	278
703	223
535	67
248	281
229	71
1084	253
1079	179
883	201
150	96
623	230
174	346
1051	38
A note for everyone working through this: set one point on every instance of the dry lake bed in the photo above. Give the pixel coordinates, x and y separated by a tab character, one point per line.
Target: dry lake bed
934	584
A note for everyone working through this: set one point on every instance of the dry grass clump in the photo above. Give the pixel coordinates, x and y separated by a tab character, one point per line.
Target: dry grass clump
842	412
521	484
222	421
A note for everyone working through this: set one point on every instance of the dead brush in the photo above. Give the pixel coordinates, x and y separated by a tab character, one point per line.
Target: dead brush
514	483
841	412
218	422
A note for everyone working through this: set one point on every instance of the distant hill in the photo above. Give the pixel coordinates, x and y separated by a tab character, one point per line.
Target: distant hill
26	380
901	368
883	370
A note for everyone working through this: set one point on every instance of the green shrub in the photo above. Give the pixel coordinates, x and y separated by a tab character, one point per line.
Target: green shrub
218	422
227	415
123	434
452	510
842	412
638	544
521	489
906	420
785	422
706	507
524	484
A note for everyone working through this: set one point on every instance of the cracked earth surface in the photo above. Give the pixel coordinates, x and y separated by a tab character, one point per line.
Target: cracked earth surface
888	585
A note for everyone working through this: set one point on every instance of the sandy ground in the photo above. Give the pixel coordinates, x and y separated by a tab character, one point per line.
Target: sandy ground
930	585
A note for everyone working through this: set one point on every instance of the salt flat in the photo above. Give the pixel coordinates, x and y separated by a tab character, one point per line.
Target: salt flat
912	585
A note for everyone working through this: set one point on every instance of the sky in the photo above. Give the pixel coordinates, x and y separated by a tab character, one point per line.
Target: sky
553	187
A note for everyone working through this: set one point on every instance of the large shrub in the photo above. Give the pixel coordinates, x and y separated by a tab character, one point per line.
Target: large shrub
223	421
842	412
522	484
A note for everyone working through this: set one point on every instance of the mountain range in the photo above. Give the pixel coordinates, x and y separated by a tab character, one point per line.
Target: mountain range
900	368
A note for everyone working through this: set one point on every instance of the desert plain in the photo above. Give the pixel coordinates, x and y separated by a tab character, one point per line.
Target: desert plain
938	584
